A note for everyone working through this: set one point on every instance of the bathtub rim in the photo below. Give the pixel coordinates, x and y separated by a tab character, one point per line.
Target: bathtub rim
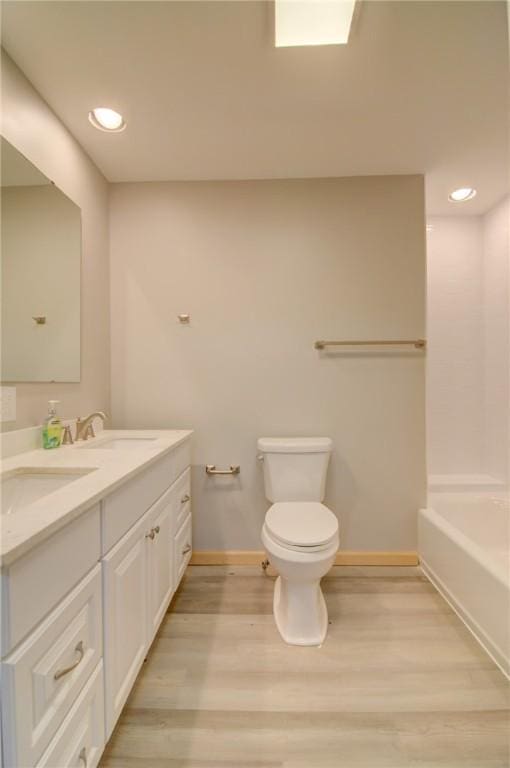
465	542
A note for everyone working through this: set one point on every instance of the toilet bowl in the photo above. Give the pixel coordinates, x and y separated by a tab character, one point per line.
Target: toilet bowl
300	534
301	541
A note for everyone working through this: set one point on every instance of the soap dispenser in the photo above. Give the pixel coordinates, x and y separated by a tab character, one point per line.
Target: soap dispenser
52	427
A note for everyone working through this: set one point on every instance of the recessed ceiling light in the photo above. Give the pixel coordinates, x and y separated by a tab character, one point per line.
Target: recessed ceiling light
107	120
461	195
312	22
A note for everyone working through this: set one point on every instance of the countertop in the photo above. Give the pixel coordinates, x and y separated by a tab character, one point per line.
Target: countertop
24	529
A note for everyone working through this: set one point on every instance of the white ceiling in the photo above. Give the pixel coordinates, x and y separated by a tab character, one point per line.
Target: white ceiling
422	87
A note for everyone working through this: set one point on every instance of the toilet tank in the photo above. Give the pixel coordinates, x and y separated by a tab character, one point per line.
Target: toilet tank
295	467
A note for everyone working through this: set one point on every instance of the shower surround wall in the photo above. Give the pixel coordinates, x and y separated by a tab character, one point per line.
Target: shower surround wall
496	350
468	351
264	268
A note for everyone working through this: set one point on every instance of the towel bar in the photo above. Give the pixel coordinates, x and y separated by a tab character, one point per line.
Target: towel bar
417	343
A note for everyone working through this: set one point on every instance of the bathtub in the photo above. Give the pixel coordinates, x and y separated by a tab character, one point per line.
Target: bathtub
464	548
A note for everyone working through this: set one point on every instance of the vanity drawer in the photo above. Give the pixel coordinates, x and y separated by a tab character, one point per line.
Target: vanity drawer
80	741
182	550
126	505
42	678
182	495
33	585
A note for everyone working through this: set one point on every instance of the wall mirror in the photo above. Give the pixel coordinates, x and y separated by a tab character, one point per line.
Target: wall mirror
41	260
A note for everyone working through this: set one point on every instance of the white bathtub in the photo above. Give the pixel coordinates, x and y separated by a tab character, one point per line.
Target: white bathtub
464	547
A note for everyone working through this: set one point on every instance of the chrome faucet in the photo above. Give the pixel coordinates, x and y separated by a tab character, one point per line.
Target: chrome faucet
84	428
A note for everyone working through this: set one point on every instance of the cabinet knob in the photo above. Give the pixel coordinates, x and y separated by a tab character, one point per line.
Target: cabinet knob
83	756
156	529
151	534
185	498
186	549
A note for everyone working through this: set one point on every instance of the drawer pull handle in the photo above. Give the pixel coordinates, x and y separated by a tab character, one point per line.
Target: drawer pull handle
186	549
83	756
185	498
151	534
61	672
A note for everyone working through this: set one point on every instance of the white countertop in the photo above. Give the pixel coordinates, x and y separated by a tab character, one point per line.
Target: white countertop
30	526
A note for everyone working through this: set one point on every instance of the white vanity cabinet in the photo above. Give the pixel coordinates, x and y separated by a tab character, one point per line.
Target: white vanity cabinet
80	611
138	585
139	581
182	549
125	617
35	583
52	638
160	579
42	678
182	526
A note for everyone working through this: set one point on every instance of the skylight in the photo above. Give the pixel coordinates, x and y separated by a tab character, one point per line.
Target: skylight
312	22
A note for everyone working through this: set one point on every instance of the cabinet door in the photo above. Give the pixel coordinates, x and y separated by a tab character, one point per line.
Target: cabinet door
159	561
125	612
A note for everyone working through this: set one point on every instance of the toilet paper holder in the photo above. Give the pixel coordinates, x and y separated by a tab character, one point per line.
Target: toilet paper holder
211	470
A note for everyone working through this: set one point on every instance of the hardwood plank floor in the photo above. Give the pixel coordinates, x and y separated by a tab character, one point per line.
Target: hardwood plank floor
399	682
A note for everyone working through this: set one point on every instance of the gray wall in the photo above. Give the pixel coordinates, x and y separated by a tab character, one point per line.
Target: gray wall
30	126
265	268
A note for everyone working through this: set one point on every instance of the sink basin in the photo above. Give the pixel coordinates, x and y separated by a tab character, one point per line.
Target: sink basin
23	486
122	443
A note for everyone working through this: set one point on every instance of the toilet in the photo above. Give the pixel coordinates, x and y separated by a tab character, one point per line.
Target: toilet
300	534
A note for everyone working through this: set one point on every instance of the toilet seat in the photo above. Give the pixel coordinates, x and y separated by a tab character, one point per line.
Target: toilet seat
303	526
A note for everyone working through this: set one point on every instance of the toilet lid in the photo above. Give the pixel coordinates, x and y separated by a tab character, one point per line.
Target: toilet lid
301	523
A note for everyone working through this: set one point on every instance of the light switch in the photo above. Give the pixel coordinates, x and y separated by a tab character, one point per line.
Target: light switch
7	404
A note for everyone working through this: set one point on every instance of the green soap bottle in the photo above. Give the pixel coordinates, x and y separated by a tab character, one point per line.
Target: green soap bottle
52	427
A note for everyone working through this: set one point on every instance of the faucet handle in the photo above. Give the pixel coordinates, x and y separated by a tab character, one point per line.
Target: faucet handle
67	438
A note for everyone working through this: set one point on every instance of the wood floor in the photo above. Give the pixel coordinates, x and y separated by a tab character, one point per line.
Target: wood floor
398	682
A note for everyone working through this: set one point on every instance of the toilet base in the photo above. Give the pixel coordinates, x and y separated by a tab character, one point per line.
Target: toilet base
300	612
